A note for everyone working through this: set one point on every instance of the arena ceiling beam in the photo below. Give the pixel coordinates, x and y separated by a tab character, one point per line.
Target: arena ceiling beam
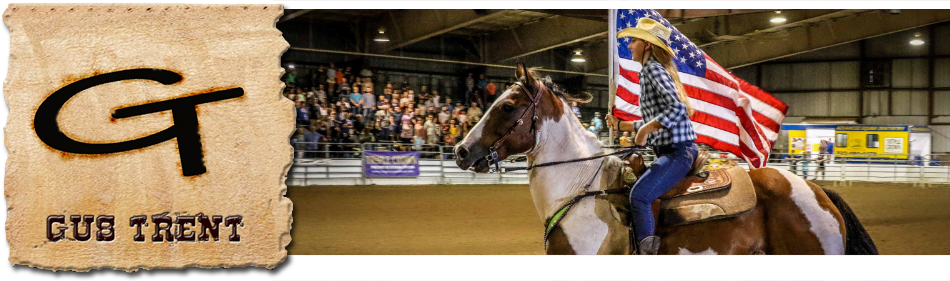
541	36
817	33
589	28
589	14
673	15
703	31
405	27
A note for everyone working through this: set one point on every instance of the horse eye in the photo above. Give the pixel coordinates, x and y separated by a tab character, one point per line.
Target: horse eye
508	108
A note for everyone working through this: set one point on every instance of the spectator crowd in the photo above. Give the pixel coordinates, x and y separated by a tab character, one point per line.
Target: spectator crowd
337	109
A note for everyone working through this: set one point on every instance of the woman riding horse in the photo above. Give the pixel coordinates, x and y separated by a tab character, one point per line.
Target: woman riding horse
665	109
573	181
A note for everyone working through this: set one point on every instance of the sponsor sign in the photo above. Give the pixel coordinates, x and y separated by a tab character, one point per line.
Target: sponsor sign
391	164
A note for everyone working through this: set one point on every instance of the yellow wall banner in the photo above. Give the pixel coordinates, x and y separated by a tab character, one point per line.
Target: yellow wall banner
146	136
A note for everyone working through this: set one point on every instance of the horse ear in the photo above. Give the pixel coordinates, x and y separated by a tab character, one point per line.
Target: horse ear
520	71
530	79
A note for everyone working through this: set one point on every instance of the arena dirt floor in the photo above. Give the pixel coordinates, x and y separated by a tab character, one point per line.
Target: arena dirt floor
501	219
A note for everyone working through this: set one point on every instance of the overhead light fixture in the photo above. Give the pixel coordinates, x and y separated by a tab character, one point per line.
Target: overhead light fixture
917	41
577	57
291	66
381	36
778	17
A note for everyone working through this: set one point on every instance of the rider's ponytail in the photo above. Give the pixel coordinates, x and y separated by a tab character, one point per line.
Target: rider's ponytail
667	61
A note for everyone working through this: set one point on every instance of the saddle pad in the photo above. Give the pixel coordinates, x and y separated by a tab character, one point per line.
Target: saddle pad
721	201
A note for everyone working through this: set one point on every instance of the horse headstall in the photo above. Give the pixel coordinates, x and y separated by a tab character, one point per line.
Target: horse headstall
495	167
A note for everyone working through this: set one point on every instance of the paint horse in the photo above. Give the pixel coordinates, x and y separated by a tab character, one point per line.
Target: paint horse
790	215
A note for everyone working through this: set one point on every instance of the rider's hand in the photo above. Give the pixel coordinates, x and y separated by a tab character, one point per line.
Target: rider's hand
612	122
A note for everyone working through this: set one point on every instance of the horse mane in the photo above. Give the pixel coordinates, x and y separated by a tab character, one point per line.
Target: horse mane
558	91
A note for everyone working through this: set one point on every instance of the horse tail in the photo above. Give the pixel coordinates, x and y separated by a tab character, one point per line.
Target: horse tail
857	240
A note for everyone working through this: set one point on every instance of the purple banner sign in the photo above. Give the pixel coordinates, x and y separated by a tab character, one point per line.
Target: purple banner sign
390	164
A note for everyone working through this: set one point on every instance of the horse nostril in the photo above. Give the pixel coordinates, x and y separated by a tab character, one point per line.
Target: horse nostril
462	153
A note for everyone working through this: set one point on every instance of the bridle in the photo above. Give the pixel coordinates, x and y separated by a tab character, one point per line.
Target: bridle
493	154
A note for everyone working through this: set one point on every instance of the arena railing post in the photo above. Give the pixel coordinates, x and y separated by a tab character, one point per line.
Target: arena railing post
844	168
442	163
362	161
894	171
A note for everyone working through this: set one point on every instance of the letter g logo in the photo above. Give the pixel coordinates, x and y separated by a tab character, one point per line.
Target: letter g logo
184	117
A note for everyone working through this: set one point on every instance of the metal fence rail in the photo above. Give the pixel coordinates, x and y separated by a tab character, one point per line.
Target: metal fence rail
924	169
342	164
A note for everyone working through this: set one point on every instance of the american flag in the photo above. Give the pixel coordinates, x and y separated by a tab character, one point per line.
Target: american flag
730	114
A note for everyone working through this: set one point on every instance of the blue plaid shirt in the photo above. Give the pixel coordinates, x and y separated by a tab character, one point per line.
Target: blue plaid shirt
658	101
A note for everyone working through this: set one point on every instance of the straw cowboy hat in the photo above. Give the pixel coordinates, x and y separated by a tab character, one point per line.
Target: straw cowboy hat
651	31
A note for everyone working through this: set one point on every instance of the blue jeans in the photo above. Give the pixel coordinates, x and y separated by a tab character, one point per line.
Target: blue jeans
671	165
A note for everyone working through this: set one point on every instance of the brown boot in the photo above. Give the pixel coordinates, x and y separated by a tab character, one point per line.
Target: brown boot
649	246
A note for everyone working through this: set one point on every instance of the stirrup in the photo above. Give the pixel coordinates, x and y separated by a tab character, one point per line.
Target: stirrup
649	246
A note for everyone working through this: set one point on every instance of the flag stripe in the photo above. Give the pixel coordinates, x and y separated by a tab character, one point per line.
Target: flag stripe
626	106
755	142
769	135
716	122
630	65
711	98
726	137
630	75
707	85
716	77
765	109
625	116
763	97
715	67
766	122
752	148
718	143
627	96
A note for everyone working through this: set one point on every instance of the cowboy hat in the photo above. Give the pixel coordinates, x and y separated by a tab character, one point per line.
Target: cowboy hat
651	31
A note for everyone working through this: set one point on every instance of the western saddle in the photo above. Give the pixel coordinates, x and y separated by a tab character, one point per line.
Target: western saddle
702	195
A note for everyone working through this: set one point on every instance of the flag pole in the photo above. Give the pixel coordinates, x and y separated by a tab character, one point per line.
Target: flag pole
612	85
